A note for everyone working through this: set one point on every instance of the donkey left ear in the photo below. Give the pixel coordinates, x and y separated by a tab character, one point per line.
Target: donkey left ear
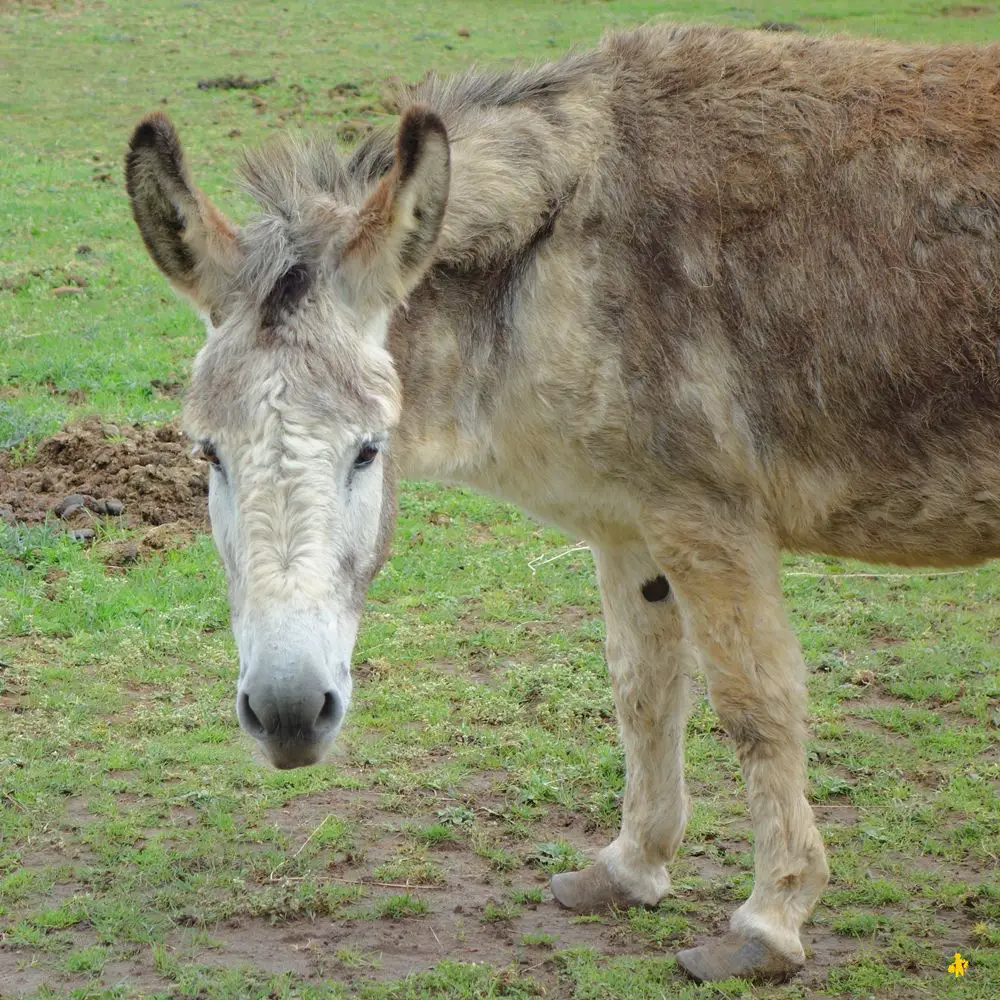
398	225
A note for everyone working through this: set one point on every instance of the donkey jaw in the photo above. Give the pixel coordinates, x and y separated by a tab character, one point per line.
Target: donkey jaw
288	754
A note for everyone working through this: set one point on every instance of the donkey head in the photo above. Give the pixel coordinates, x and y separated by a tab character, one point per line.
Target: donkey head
294	394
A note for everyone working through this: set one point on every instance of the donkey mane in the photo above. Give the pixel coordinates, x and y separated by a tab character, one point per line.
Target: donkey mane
518	154
279	174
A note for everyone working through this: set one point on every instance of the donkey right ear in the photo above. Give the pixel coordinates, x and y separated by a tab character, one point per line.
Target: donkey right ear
190	240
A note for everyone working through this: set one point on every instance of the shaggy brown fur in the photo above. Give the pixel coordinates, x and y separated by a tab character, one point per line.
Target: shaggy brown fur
816	220
698	295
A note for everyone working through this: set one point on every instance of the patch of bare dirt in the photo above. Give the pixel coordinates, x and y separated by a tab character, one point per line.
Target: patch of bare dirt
356	950
825	950
835	813
145	476
968	10
20	976
241	82
137	975
461	920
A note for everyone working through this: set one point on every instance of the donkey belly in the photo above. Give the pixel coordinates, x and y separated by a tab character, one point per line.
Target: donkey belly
941	510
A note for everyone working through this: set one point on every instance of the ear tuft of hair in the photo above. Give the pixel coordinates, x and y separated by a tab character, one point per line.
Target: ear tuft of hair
417	126
154	129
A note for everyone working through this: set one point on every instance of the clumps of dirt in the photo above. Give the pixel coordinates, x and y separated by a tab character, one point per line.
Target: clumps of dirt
143	476
240	82
160	538
968	10
779	26
168	389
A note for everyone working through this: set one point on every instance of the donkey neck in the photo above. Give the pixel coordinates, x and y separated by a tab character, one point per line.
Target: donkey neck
506	388
493	348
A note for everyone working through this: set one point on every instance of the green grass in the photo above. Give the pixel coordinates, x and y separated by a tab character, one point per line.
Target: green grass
145	850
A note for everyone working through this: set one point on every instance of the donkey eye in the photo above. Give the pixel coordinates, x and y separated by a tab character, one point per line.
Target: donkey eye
366	455
206	450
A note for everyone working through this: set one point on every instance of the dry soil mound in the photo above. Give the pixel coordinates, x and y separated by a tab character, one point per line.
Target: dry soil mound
89	470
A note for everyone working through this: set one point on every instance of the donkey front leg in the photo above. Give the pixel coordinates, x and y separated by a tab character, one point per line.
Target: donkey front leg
729	593
649	666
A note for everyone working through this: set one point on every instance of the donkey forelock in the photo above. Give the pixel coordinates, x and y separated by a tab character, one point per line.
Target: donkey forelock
301	191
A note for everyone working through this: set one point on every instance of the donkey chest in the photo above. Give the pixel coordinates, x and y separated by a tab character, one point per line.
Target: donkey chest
563	492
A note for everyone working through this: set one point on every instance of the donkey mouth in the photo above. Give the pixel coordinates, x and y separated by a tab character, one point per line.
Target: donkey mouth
288	754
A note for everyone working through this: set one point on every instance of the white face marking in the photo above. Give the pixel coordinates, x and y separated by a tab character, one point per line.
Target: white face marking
300	513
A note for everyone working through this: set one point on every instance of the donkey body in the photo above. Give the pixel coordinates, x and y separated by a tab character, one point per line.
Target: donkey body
696	296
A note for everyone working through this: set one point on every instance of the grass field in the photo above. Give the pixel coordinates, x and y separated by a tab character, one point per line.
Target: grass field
146	851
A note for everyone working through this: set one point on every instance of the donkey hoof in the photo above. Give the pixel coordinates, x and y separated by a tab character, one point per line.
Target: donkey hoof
591	890
734	954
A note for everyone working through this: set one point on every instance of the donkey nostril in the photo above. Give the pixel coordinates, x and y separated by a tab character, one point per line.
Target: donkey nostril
330	714
248	717
329	707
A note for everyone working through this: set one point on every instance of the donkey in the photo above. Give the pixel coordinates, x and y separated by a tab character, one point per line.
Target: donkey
698	296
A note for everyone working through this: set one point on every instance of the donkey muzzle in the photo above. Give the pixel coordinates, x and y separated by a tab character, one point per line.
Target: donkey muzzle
295	683
294	723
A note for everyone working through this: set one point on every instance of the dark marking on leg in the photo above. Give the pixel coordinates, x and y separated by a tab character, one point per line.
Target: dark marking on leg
657	589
